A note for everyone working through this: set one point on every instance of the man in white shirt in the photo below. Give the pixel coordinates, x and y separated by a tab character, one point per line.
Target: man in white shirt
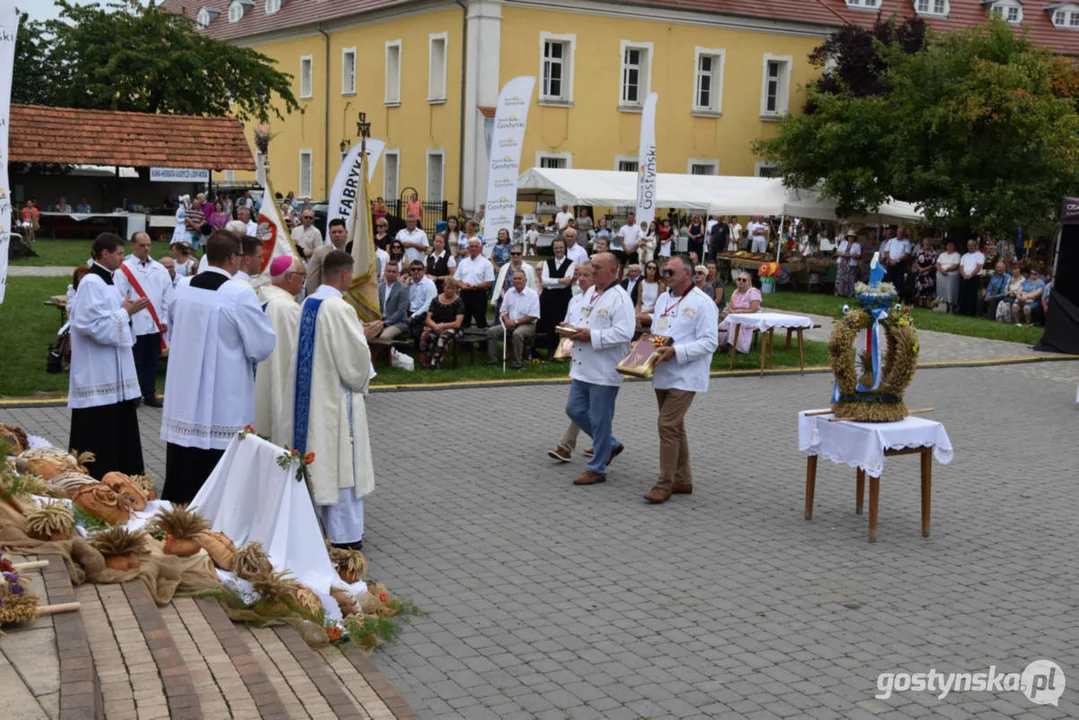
250	261
421	291
895	254
218	333
520	310
629	235
691	319
564	450
735	243
103	390
758	235
574	250
243	214
142	276
970	272
476	275
562	219
169	264
306	235
605	329
413	239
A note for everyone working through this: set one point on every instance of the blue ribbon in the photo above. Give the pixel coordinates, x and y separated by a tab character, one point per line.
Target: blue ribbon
304	368
874	355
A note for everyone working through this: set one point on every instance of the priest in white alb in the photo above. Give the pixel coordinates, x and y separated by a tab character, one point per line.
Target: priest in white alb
324	406
217	334
279	303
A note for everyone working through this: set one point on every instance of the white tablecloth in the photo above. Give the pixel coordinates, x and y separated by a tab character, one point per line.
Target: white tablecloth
765	320
250	497
862	445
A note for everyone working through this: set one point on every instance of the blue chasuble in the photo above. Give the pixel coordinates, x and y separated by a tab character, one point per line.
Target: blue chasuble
305	365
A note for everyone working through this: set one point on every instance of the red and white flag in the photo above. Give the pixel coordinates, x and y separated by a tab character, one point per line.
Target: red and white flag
275	235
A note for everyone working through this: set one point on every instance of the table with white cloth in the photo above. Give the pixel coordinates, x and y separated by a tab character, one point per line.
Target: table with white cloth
863	446
767	322
250	497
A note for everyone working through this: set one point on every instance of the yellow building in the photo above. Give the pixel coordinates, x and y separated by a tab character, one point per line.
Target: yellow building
428	75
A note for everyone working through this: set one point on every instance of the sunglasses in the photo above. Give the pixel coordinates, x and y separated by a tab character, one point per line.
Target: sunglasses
741	281
668	273
698	272
515	254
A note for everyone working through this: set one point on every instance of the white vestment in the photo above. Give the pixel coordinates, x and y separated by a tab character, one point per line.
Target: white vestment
215	338
339	364
102	366
271	376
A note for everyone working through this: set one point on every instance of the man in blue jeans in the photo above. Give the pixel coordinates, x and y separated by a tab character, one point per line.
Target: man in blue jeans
605	328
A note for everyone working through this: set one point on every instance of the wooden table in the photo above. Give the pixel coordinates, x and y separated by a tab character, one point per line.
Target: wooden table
767	322
858	443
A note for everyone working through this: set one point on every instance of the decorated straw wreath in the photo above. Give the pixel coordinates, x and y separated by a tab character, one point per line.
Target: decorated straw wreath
869	384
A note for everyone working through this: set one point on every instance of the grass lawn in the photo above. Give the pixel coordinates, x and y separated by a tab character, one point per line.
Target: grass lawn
820	304
69	253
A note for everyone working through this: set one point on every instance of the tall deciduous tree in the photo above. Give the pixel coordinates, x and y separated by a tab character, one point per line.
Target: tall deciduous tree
143	58
979	128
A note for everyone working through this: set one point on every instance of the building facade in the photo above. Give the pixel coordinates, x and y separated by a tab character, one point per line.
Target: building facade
428	73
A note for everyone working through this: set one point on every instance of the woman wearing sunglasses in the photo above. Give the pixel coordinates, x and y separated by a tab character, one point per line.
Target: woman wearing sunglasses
745	299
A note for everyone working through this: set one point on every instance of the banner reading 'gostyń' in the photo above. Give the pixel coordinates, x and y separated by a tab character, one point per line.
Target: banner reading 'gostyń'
508	137
646	164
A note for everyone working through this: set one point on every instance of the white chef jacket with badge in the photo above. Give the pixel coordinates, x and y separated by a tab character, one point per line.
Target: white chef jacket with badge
611	318
692	322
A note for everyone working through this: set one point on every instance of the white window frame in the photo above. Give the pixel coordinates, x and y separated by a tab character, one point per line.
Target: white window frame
712	163
762	165
391	157
644	74
307	93
310	169
236	11
783	91
619	159
440	152
715	108
393	85
204	17
436	79
1066	13
873	5
272	6
931	10
568	55
567	156
348	88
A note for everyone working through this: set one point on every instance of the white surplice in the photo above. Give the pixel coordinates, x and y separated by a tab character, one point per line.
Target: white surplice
342	472
216	337
271	377
102	366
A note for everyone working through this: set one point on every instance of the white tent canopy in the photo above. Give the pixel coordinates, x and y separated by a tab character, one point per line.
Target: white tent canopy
715	194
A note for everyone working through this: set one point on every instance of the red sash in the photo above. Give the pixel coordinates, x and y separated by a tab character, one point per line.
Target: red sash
142	293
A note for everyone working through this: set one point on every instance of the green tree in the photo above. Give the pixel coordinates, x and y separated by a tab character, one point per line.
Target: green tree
143	58
979	128
30	55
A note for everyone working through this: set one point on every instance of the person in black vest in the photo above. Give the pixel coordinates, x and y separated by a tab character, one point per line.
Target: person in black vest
557	279
440	263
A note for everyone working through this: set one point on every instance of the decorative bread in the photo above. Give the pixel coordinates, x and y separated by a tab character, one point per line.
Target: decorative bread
121	547
14	437
104	503
306	598
344	600
67	483
219	547
126	486
50	521
252	561
47	462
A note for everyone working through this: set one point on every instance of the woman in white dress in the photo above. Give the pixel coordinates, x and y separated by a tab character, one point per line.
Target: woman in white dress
179	233
646	244
651	287
948	279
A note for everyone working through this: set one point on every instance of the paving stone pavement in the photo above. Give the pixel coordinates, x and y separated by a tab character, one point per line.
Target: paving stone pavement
545	600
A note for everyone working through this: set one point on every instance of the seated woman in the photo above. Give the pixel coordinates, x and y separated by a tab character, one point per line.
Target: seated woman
1004	307
444	320
701	280
745	299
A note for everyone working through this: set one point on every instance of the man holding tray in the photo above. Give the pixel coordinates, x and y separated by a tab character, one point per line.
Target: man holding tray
603	332
690	319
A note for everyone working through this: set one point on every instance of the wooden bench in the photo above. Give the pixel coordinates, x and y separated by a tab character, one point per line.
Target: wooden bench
379	347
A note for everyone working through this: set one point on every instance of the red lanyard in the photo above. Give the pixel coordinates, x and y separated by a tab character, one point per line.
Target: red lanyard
674	305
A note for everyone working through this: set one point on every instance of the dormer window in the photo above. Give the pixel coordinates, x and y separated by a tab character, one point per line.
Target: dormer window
932	8
206	16
1010	11
238	8
272	6
864	4
1065	15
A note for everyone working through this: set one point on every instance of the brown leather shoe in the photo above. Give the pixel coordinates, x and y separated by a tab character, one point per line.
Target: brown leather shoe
590	478
658	495
589	452
560	454
682	490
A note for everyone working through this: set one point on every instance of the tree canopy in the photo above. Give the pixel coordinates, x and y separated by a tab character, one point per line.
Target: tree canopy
142	58
979	127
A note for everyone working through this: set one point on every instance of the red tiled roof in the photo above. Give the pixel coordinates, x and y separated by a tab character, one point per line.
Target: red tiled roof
129	139
295	13
968	13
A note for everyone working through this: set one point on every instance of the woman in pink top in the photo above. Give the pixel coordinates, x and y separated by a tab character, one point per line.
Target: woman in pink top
415	207
745	299
218	219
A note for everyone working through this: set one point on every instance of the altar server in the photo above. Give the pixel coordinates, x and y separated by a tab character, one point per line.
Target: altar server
250	261
103	387
279	303
218	334
690	318
324	409
606	327
142	276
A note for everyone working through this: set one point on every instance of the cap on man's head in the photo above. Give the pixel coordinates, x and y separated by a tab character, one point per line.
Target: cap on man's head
280	265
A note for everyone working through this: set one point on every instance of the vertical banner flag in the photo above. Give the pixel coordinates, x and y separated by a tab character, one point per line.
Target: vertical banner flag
9	28
646	163
346	185
508	136
275	236
363	290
